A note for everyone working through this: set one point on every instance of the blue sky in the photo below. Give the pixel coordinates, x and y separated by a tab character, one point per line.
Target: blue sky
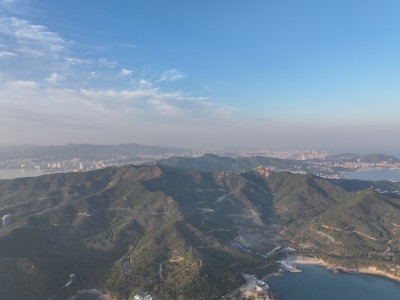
264	73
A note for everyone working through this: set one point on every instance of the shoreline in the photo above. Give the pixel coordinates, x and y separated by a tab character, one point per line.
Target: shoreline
301	260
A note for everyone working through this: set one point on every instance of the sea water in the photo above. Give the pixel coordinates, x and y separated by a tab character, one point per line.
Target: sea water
316	283
18	173
375	174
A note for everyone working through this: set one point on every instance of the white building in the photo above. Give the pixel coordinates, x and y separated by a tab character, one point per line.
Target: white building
6	220
141	296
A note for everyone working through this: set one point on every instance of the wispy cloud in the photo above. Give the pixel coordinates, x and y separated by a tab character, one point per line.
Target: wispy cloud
126	72
30	34
6	54
110	46
21	84
171	75
45	52
104	62
53	78
92	105
77	61
144	83
9	5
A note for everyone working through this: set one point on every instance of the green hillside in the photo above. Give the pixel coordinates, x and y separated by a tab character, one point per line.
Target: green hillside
344	221
214	163
169	232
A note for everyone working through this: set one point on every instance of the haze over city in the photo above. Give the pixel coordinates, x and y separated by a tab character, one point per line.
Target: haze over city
263	74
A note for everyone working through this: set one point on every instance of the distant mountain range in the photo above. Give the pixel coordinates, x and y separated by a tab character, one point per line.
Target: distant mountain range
215	163
98	152
82	151
168	228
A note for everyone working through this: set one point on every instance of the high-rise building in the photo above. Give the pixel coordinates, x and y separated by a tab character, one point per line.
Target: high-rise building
6	220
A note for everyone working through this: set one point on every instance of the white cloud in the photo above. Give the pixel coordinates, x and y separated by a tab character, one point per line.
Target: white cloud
48	115
6	54
21	84
24	100
8	4
104	62
43	52
171	75
17	7
53	78
22	29
77	61
30	52
126	72
31	40
144	83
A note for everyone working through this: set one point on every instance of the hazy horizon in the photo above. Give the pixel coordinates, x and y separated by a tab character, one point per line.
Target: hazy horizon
266	74
216	149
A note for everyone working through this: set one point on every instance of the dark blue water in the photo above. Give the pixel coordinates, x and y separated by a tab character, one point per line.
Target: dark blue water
316	283
393	175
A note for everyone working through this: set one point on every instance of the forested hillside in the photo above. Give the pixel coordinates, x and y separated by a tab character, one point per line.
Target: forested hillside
170	232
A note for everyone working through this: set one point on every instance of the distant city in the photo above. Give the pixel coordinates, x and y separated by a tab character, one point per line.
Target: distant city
81	158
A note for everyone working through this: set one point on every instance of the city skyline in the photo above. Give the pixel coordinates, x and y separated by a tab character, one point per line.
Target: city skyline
276	75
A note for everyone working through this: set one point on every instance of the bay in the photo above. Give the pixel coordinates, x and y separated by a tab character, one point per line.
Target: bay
374	174
18	173
316	283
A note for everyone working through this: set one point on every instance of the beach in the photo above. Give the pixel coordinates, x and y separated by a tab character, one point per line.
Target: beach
302	260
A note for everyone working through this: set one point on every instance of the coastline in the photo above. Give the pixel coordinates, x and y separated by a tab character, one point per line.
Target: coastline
375	271
302	260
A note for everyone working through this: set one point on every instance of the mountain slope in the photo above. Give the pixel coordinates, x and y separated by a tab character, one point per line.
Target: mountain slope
113	228
170	232
344	221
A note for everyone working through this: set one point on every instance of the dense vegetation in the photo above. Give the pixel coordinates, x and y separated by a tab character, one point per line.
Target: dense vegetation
214	163
168	231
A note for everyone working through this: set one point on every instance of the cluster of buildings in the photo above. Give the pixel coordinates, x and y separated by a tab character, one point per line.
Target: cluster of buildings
360	164
297	162
80	165
255	288
67	165
290	154
285	265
